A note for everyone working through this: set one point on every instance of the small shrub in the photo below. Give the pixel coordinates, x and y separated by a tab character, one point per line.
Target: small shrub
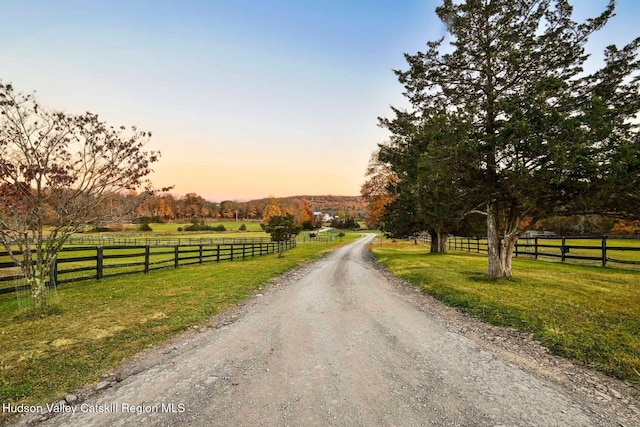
243	228
197	226
148	219
346	223
180	229
220	227
145	227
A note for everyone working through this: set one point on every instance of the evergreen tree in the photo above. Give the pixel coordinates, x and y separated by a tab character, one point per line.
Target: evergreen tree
541	136
282	228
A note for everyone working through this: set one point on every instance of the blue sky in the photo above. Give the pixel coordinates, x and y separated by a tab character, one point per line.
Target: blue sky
245	98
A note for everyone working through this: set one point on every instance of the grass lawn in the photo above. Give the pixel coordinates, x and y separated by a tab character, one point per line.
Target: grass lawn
589	314
171	228
96	325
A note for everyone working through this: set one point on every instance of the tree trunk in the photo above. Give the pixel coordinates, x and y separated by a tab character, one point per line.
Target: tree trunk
500	250
438	241
495	270
38	287
435	244
280	250
442	240
506	256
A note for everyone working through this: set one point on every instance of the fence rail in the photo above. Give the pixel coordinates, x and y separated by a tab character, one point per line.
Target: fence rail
124	240
601	250
76	263
128	240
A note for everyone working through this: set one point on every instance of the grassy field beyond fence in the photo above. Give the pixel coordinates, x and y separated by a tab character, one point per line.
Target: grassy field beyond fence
96	325
589	314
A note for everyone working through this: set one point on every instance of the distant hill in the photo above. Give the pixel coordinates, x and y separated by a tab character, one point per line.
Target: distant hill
333	205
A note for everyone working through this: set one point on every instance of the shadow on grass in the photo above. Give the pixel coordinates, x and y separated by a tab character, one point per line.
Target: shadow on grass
483	278
28	314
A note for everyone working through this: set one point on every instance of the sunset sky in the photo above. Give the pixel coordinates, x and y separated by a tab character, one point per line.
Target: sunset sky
245	99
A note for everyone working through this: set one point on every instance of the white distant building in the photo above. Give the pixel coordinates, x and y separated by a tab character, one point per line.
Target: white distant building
536	233
323	216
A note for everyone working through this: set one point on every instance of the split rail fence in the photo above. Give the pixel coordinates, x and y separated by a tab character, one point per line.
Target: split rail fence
76	263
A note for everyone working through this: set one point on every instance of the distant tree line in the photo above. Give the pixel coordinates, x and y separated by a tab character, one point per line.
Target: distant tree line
166	207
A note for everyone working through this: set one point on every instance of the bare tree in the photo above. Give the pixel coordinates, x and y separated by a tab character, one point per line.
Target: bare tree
57	170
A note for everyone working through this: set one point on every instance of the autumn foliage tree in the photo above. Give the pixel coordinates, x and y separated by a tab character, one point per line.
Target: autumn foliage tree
271	210
59	169
375	190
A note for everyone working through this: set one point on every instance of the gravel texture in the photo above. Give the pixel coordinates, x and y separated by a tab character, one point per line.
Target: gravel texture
342	342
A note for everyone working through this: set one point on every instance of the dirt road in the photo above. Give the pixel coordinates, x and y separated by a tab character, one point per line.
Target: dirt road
340	345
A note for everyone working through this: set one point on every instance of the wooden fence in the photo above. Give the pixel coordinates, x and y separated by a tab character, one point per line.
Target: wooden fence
128	240
602	250
124	240
324	237
75	263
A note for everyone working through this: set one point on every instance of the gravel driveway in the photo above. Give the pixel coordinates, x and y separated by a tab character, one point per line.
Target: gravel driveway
339	342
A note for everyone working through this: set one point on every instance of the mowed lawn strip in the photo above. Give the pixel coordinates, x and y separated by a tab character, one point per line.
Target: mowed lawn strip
96	325
589	314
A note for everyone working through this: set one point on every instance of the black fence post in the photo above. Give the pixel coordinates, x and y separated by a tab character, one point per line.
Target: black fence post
218	253
536	247
563	248
147	256
200	254
243	251
99	263
231	251
604	251
176	258
53	272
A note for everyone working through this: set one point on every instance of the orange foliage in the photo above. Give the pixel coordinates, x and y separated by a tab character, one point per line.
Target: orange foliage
271	211
375	189
623	226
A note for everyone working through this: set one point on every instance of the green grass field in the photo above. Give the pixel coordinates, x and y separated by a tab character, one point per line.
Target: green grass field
96	325
589	314
172	227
